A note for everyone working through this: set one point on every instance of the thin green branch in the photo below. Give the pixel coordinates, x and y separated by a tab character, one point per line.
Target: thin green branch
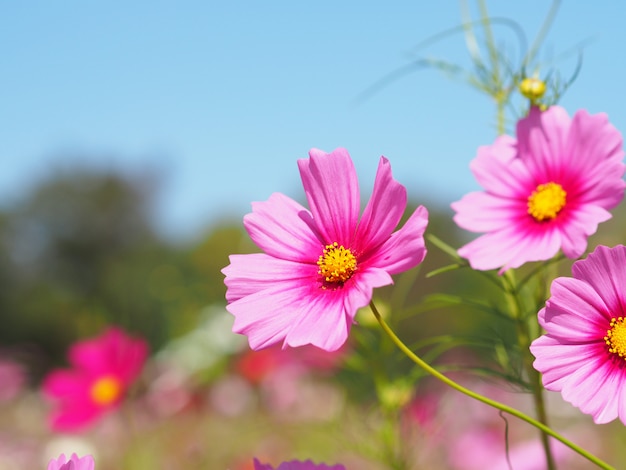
495	404
545	27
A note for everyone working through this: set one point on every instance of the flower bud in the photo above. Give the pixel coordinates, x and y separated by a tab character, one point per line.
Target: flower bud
532	88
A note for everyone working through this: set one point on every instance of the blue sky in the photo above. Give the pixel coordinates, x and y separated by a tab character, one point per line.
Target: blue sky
223	97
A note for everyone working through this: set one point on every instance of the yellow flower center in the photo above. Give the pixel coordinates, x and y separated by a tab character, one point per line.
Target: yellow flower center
337	264
615	337
546	201
106	390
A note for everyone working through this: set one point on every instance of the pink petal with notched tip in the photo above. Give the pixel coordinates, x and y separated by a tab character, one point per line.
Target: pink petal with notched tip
605	271
332	190
248	274
405	248
383	211
575	311
74	463
284	229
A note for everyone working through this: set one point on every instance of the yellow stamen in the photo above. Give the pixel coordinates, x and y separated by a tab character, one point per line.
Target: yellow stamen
546	201
337	264
106	390
615	337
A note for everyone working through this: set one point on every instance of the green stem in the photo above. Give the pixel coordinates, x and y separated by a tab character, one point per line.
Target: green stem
497	89
524	340
495	404
391	443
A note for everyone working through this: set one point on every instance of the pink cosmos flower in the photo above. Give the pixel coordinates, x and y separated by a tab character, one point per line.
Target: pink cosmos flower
74	463
545	191
297	465
583	353
103	369
320	267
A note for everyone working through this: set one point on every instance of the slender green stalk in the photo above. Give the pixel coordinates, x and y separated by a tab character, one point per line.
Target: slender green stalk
498	92
524	340
495	404
543	32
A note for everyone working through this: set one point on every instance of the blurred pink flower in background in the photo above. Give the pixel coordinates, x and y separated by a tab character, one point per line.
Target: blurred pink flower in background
255	366
287	380
12	378
103	369
319	267
583	353
545	191
297	465
74	463
481	448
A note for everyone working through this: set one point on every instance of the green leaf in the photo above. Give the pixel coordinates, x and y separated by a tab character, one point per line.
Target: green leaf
443	246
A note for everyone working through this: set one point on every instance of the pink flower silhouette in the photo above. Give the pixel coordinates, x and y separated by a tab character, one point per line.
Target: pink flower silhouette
545	191
320	267
583	353
103	369
74	463
297	465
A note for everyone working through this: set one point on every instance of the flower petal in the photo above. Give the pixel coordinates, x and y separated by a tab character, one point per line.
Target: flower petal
251	273
593	140
112	351
591	387
61	383
284	229
604	270
383	211
362	288
75	417
267	316
558	361
496	169
576	225
483	212
575	312
322	322
405	248
541	140
332	190
510	248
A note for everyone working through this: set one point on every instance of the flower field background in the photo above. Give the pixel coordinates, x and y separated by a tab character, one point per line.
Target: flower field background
82	246
333	329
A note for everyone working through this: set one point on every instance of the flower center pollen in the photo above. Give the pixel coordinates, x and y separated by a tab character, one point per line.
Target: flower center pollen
106	390
337	264
615	337
546	201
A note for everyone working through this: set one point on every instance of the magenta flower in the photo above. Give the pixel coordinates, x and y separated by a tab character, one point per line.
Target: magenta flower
320	267
546	191
583	353
103	369
74	463
297	465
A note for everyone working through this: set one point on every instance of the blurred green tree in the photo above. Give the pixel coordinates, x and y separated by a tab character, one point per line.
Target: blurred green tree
81	248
